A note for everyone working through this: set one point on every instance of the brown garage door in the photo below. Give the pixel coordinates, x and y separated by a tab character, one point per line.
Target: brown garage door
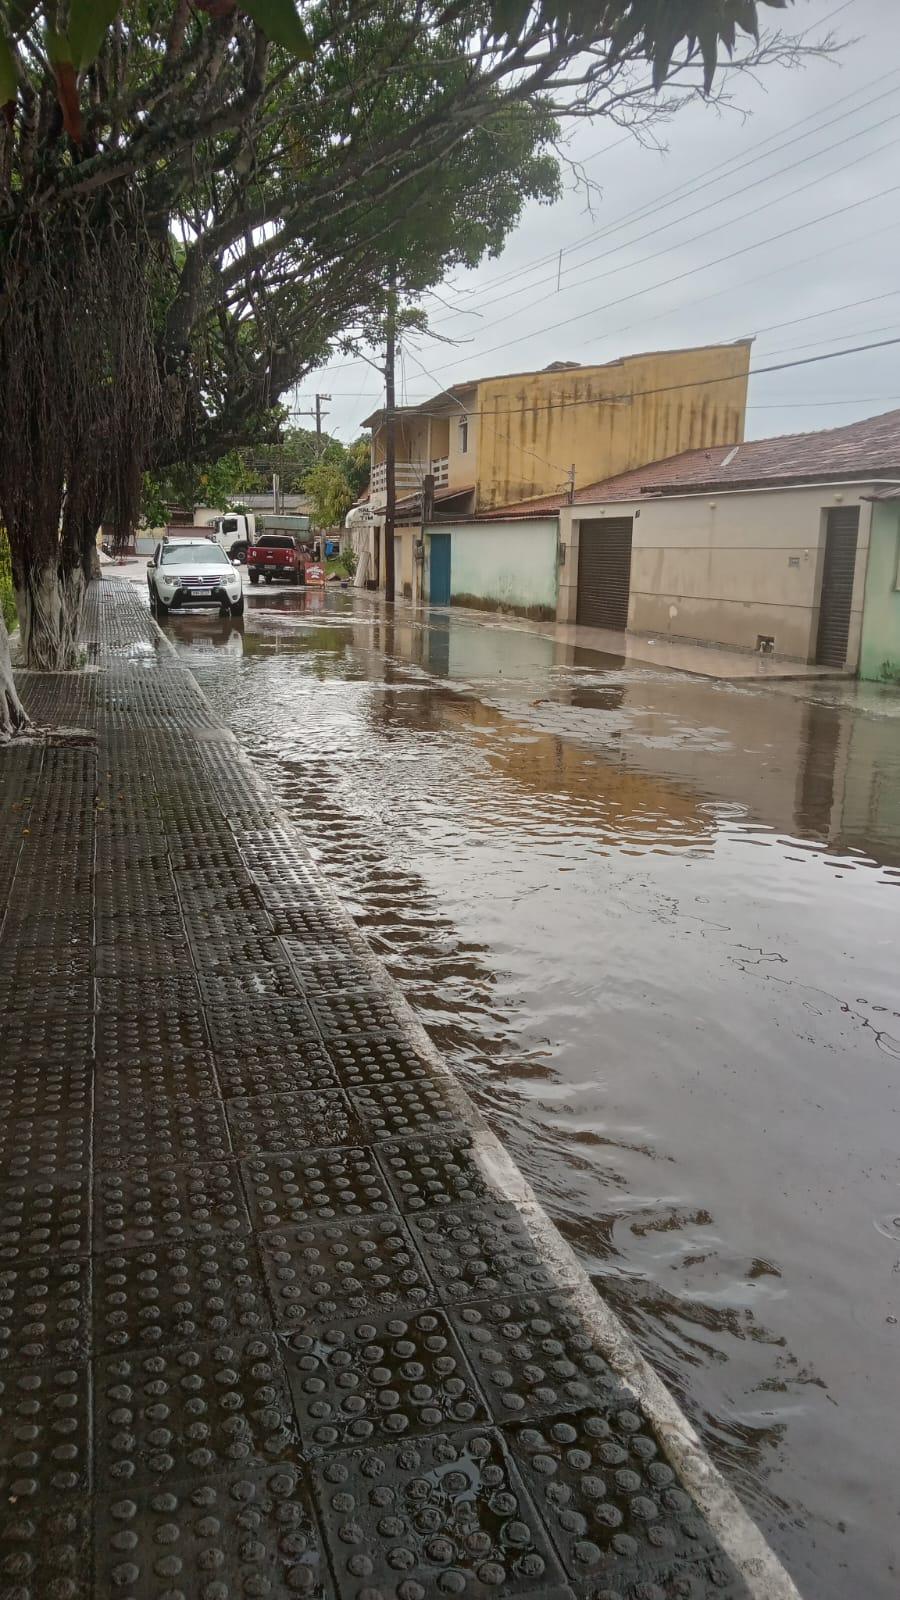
837	586
604	572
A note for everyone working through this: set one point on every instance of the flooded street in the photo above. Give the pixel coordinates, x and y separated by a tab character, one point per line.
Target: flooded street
653	922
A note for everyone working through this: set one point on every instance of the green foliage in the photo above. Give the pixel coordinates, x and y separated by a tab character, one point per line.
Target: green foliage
231	188
7	594
8	79
657	28
280	23
186	485
225	482
337	480
89	22
358	464
330	491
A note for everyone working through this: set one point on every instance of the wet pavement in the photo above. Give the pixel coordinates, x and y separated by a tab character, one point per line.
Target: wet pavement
652	922
280	1315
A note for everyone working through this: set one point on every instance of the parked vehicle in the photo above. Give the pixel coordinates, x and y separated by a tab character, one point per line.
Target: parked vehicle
190	571
275	555
236	531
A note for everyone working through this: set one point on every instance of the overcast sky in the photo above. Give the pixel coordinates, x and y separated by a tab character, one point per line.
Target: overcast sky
656	280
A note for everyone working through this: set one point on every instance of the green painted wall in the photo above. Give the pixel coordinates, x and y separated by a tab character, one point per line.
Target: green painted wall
505	566
880	653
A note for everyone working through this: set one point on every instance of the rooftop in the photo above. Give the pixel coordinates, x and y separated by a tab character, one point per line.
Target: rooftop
861	450
554	369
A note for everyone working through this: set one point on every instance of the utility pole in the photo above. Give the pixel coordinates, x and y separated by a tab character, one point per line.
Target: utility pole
319	414
390	439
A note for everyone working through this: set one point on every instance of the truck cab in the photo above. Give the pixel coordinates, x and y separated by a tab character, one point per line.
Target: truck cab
236	531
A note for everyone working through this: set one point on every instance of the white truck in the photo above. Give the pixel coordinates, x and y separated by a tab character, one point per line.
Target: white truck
237	530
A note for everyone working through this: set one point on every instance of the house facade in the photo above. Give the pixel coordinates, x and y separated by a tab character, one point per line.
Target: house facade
497	441
761	546
790	546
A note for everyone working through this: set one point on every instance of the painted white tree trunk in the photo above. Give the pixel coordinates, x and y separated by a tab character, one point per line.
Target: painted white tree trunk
12	711
49	604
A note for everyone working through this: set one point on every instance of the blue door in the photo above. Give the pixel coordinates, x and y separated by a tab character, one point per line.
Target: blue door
439	585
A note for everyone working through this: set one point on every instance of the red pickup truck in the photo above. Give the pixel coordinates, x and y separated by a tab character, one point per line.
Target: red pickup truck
275	555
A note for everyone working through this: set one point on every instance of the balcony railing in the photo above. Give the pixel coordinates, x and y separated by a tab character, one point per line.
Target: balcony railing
409	477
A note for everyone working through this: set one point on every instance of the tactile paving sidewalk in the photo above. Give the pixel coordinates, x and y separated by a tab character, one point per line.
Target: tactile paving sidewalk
266	1328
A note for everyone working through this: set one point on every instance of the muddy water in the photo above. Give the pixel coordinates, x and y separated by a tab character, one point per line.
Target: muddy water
653	921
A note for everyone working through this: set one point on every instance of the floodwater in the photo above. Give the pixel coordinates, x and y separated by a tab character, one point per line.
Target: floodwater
653	922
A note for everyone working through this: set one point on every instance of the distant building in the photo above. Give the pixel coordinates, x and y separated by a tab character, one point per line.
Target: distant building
497	440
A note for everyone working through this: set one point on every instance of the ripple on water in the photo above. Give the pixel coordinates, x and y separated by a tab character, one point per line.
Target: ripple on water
636	912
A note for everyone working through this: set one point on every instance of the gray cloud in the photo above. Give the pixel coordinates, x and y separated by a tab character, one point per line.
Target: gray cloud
675	252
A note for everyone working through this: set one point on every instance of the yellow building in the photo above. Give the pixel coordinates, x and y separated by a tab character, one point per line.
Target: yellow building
497	441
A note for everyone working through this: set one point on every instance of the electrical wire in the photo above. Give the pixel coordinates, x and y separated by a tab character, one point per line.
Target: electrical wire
737	163
682	244
670	388
553	465
690	272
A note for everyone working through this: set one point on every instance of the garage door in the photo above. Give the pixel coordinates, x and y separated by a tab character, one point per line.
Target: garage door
604	572
837	586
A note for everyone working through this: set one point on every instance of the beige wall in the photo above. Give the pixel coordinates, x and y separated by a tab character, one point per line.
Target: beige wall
721	567
605	419
426	438
463	468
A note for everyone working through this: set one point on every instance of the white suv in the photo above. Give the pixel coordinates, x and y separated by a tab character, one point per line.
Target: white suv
193	572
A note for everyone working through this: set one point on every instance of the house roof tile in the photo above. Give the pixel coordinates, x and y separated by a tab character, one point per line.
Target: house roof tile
861	450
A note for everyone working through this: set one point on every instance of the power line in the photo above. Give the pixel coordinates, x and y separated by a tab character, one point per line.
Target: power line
737	162
690	185
553	465
850	333
671	388
705	233
689	272
770	327
744	283
848	400
681	244
827	311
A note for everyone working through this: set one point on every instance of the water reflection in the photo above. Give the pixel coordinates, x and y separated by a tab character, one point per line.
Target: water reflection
652	920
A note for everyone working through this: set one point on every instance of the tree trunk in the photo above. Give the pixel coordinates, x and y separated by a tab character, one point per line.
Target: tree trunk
12	711
49	603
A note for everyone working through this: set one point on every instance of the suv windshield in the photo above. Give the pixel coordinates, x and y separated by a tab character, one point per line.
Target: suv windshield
193	555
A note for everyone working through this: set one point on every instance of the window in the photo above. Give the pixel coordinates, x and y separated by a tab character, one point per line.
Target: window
229	524
193	555
463	435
